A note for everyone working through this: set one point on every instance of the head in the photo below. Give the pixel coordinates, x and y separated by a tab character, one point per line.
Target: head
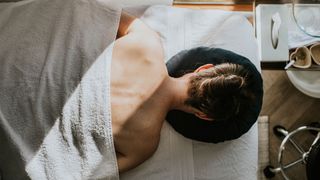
218	92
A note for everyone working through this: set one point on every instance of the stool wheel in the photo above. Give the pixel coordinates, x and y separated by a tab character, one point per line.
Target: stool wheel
277	131
268	173
313	163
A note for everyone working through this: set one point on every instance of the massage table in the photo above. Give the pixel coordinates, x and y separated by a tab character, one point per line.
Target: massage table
177	158
181	158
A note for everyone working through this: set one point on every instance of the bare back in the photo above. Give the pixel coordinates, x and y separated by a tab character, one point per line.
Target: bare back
138	70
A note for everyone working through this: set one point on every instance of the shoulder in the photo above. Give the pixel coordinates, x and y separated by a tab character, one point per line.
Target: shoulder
146	45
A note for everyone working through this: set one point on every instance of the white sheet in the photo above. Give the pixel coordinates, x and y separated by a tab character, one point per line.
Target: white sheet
178	158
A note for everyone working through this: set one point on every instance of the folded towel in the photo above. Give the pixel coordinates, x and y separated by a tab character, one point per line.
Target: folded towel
55	58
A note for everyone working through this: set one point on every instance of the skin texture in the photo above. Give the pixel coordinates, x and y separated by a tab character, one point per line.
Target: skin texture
142	92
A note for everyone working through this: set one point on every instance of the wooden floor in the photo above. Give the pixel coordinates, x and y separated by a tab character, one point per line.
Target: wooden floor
288	107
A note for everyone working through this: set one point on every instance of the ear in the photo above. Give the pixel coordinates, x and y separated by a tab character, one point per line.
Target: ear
204	67
203	116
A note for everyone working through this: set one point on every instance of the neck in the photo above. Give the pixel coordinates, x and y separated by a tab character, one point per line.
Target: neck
176	89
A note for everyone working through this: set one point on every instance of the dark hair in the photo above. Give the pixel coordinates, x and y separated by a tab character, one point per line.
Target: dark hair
220	91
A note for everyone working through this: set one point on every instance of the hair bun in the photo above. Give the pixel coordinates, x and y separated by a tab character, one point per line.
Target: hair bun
230	84
234	81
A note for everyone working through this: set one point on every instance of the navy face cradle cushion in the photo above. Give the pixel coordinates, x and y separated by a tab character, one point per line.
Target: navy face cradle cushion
194	128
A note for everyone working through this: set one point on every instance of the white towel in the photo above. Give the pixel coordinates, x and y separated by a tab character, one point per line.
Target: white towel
54	89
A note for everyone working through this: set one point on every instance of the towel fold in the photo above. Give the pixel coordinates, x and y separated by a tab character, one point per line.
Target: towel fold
55	58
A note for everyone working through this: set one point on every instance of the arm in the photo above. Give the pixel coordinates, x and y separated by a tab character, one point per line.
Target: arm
134	158
126	163
125	21
130	24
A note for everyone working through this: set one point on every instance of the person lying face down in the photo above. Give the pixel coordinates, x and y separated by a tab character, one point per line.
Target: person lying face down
142	92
